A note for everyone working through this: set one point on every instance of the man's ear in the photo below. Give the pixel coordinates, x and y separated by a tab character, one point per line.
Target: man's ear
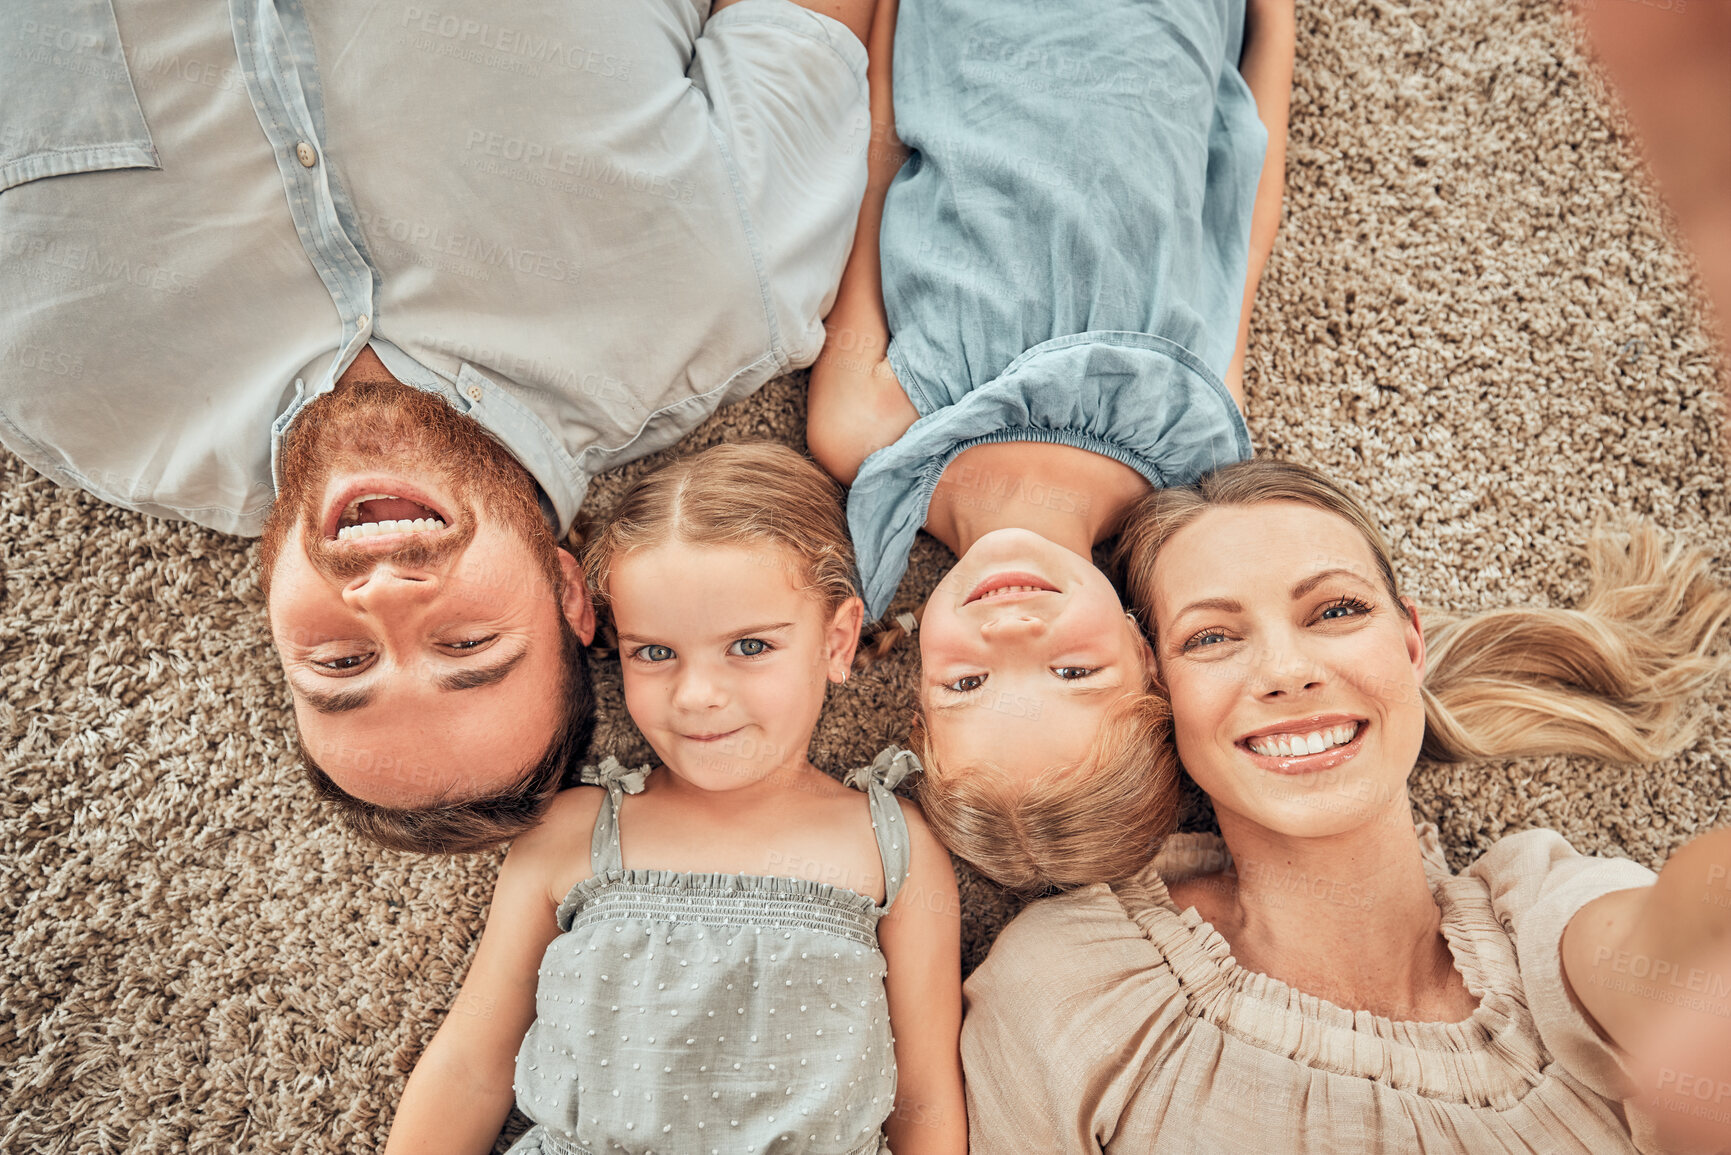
842	638
576	606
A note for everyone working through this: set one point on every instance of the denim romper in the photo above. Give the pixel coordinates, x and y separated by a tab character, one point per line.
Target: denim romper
1064	251
714	1014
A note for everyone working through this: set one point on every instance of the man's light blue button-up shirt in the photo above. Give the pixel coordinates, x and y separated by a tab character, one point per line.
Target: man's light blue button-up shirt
585	225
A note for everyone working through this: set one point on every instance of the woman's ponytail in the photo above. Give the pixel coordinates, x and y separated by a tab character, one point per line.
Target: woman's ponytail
1619	678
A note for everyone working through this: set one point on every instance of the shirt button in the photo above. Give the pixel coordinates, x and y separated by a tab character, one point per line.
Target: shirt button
307	156
362	321
474	392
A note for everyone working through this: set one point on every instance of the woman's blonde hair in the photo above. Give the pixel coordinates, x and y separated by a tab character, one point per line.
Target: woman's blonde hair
752	493
1617	679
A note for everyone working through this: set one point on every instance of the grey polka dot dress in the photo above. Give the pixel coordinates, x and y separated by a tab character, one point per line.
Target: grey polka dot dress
714	1014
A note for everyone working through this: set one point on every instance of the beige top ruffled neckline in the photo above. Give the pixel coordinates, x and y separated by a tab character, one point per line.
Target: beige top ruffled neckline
1492	1058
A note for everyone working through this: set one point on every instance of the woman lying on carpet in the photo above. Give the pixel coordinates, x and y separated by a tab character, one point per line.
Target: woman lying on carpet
1059	323
1317	979
651	978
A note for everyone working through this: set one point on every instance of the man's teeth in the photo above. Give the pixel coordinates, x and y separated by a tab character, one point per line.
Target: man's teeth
374	528
1293	745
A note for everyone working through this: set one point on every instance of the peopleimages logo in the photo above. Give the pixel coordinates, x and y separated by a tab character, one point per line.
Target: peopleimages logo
536	47
469	247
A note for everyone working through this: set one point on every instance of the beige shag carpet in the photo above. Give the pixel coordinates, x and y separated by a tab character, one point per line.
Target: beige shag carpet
1474	315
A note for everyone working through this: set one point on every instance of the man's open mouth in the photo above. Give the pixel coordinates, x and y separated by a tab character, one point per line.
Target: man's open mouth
373	514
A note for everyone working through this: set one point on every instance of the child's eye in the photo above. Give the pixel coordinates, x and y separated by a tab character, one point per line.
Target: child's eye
965	684
1073	673
749	648
1347	607
652	653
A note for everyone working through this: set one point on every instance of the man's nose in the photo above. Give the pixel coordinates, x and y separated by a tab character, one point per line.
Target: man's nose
388	585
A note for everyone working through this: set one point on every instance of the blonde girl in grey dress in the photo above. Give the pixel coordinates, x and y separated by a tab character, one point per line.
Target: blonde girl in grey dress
729	951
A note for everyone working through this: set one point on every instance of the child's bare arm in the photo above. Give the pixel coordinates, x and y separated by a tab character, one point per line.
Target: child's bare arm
461	1090
856	405
1270	39
921	939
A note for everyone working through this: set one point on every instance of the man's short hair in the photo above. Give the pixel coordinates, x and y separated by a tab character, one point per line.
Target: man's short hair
475	824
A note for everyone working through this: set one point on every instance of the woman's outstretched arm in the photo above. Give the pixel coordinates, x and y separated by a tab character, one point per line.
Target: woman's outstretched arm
1650	965
856	406
1271	32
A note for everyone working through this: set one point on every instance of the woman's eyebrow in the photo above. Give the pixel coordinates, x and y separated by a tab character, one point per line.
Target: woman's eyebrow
1224	605
1316	579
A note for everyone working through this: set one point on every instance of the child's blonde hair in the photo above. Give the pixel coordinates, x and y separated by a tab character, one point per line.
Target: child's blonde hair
1617	679
742	493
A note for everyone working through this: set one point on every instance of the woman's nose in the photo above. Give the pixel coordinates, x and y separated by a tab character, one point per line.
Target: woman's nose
1282	668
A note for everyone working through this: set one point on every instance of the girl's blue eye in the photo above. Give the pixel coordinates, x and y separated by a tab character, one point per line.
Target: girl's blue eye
749	647
653	653
1204	638
966	684
1344	608
1073	673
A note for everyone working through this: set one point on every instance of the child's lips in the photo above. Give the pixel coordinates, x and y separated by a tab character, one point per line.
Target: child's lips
714	737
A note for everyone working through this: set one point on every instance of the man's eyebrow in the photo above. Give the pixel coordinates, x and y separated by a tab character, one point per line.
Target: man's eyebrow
475	678
337	702
342	701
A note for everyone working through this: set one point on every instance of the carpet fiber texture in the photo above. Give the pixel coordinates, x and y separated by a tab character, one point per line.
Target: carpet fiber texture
1474	316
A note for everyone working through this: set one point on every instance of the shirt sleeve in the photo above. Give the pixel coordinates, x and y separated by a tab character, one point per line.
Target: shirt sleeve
1062	1021
1537	883
791	108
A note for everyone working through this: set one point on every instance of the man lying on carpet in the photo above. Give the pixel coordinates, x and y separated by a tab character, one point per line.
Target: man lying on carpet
417	274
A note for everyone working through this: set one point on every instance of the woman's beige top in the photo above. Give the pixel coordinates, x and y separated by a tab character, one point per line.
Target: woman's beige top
1108	1019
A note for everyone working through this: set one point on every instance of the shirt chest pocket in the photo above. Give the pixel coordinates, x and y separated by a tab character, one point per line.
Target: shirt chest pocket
67	103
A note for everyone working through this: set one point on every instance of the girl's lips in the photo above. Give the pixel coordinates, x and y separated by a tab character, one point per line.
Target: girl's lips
1305	763
1000	581
712	737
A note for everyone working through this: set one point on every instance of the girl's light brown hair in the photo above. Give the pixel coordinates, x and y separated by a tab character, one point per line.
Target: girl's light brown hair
753	493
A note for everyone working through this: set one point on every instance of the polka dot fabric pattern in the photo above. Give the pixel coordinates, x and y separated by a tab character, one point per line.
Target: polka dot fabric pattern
712	1014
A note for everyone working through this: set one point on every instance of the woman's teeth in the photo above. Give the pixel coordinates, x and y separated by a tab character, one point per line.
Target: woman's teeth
1293	745
374	528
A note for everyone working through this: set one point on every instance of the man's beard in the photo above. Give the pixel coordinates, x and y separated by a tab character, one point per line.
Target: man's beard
387	426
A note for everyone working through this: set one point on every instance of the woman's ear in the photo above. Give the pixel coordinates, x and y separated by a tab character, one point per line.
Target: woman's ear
1414	637
841	638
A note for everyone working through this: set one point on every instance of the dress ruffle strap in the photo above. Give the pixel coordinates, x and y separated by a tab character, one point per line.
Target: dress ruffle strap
889	769
611	772
605	853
